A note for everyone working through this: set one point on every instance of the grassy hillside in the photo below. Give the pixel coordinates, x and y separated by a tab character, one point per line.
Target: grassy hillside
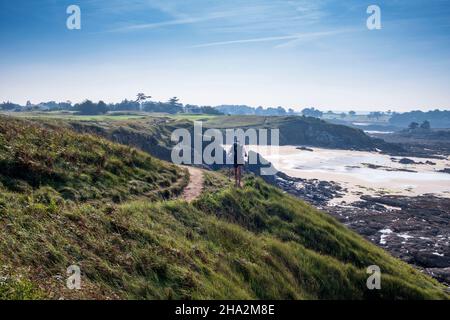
254	243
296	130
48	175
79	167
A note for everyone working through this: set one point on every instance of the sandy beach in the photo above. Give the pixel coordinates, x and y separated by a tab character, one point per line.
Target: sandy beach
361	172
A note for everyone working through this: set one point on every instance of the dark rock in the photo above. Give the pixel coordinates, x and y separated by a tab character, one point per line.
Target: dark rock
314	191
375	166
441	274
430	260
369	205
420	227
406	161
372	166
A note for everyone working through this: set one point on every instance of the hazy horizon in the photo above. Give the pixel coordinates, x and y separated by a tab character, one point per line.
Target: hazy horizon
294	54
296	109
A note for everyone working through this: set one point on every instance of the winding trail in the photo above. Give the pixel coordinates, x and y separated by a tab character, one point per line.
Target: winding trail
195	186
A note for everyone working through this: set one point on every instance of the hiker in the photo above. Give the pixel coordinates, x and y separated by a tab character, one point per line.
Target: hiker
238	154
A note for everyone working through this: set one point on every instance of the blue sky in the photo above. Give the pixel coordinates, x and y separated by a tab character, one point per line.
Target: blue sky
293	53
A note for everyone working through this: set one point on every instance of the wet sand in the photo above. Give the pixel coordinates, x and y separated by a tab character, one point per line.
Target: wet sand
349	168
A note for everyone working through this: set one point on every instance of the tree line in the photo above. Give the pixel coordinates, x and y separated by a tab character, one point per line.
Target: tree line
411	120
88	107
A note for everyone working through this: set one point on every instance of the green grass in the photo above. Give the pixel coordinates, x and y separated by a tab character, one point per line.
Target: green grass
13	286
254	243
49	161
111	116
226	122
193	117
215	181
74	116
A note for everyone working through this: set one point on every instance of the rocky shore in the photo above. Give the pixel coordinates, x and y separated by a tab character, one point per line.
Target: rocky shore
414	229
316	192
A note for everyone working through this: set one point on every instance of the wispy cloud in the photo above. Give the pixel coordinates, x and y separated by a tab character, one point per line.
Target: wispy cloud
252	16
293	39
313	35
252	21
224	43
174	22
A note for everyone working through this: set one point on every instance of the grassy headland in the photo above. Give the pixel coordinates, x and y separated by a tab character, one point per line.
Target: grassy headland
69	198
